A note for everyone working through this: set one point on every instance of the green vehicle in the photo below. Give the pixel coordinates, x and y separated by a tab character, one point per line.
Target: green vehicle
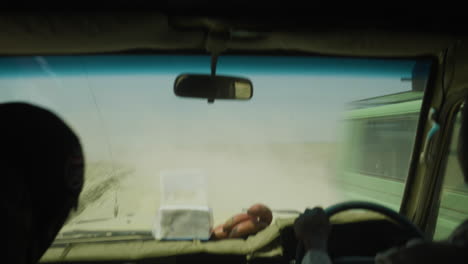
378	141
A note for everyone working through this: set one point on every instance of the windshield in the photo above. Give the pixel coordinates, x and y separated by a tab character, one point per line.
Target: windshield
289	147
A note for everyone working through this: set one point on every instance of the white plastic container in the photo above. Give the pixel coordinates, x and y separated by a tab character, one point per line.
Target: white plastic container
184	213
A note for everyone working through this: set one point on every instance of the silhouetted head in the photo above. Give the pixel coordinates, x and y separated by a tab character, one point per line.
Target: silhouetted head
42	169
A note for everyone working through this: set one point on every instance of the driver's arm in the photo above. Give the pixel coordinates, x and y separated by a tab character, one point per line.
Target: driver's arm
312	229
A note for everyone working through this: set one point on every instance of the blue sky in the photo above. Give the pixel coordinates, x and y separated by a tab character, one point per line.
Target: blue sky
129	101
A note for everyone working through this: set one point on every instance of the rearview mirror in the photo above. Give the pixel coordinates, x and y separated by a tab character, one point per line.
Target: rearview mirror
213	87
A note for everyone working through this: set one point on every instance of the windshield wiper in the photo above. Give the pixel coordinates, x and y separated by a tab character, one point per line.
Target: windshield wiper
86	236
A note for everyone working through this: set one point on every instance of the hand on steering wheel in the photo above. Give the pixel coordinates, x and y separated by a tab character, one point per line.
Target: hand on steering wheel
312	228
319	228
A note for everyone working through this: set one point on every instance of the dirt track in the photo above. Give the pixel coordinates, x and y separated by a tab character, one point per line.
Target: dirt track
284	177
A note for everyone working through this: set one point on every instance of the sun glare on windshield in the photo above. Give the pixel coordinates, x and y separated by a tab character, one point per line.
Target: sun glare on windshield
317	131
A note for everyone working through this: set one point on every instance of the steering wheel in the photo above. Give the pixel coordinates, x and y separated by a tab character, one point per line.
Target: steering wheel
404	222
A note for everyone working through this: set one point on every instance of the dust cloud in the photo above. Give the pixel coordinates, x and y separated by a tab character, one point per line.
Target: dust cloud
287	177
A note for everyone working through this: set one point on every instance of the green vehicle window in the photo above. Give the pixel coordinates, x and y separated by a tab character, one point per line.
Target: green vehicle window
388	144
454	197
384	146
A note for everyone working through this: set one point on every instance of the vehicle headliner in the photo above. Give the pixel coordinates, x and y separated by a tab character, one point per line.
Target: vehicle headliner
88	33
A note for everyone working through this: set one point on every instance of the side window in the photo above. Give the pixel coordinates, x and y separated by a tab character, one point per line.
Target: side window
454	197
385	146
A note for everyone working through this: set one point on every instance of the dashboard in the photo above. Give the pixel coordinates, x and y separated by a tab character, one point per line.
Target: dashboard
363	238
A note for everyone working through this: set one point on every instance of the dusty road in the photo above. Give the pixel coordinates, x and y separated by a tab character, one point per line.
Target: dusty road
283	176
